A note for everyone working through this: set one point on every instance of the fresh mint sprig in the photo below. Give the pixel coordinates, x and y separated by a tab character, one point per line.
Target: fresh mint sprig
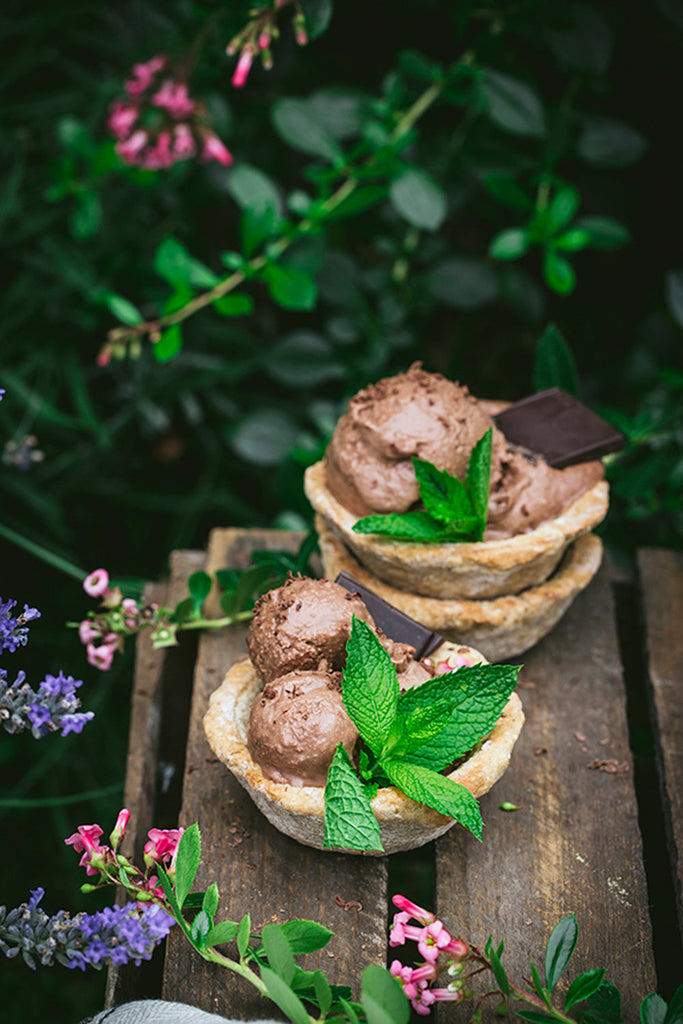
407	739
453	510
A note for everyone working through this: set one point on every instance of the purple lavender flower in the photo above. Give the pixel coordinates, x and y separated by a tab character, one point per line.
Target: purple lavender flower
14	629
53	706
114	935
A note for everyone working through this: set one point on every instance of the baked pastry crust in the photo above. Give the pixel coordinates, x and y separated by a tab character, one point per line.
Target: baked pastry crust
501	627
299	811
469	570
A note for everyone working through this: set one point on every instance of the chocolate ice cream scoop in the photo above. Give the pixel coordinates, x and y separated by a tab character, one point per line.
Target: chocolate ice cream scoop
295	725
301	624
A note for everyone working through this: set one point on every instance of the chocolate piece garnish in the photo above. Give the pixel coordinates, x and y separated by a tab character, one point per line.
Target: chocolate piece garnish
395	624
559	427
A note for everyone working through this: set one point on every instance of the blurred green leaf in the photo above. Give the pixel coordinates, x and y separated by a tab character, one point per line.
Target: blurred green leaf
587	45
175	264
169	344
509	244
265	437
463	281
259	222
251	187
304	359
122	309
513	104
318	14
86	219
419	199
558	273
562	208
298	124
290	288
603	232
234	305
506	190
607	142
554	365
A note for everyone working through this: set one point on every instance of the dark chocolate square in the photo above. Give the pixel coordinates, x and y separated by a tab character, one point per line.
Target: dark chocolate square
394	623
559	427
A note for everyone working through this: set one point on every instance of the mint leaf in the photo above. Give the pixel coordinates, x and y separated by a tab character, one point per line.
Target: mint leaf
349	821
443	495
417	526
427	709
370	687
479	479
482	692
434	790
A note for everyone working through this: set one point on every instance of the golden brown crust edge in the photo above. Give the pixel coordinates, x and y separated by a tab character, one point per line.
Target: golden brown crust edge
485	569
299	811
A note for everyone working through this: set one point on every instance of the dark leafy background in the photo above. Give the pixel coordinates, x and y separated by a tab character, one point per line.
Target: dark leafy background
144	456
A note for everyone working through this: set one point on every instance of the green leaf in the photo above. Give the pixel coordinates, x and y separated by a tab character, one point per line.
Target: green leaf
464	282
349	821
303	359
169	344
443	495
478	479
584	986
512	104
434	790
559	949
382	997
369	686
323	992
234	305
572	241
258	223
199	586
559	273
417	526
509	244
358	201
188	857
653	1010
299	125
540	991
291	289
350	1011
537	1016
250	187
562	208
226	931
122	309
278	952
483	693
603	232
210	901
607	142
506	190
317	14
174	263
605	1004
170	895
282	995
499	972
265	437
87	217
419	199
243	935
200	928
674	1014
554	364
306	936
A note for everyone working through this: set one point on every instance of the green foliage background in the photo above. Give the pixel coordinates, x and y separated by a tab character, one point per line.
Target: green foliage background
541	187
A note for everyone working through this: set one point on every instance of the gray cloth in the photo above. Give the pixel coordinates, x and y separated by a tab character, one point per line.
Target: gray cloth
156	1011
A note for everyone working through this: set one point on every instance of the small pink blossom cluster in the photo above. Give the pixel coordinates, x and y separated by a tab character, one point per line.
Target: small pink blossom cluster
99	635
255	39
432	941
159	123
112	867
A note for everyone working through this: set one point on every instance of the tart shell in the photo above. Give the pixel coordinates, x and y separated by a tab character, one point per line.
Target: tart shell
298	811
483	569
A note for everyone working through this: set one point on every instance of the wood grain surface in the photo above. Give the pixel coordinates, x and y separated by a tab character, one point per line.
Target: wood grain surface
573	844
257	869
661	580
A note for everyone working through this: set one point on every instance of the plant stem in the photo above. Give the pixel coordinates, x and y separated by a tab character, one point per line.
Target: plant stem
42	553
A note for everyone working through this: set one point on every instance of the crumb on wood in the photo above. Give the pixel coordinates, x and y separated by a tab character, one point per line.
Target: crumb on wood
538	751
579	737
347	904
611	766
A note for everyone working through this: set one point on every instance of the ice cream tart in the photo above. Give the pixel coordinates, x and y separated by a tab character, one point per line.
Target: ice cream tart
268	728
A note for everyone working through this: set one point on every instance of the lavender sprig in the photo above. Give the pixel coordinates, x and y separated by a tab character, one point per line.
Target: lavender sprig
115	935
53	706
14	629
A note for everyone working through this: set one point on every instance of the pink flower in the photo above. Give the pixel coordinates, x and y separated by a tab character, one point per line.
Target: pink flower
183	142
122	117
243	67
86	841
407	906
457	949
100	657
120	827
159	156
401	930
174	98
162	845
213	149
144	75
96	583
130	608
129	149
423	1000
88	631
432	940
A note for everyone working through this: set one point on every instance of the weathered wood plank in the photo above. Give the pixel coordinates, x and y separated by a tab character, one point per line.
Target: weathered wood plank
157	675
257	869
573	845
661	582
